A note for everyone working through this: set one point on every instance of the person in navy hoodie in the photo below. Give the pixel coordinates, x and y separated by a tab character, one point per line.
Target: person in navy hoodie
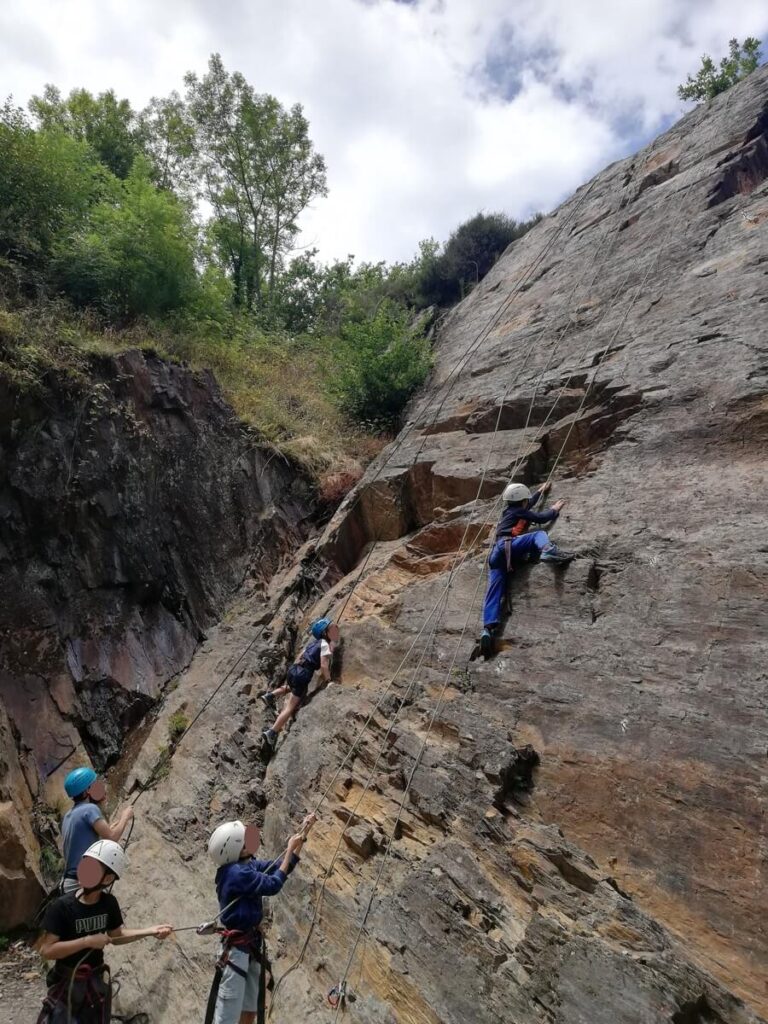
242	882
514	543
315	657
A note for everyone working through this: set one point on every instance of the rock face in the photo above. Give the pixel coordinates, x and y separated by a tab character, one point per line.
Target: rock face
620	346
130	511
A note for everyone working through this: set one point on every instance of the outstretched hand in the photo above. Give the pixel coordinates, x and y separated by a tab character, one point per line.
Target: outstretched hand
162	931
545	487
558	505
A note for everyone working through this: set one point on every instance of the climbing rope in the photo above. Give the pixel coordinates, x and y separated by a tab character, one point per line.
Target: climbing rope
450	382
341	988
441	601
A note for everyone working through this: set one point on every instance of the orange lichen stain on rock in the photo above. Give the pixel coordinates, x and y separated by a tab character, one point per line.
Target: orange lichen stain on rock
378	594
660	158
622	937
392	988
583	793
755	218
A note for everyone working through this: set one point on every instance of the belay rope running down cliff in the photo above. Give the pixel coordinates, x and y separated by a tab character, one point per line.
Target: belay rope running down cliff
449	383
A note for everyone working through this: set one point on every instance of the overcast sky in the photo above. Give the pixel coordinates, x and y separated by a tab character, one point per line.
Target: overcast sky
425	111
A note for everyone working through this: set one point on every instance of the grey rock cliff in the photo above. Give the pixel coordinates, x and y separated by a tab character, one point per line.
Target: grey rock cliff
621	344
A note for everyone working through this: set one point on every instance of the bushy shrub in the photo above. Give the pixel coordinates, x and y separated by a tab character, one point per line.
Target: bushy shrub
135	254
379	363
468	255
47	183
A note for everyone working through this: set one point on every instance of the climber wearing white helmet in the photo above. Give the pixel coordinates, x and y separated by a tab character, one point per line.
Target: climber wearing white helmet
238	992
77	928
514	544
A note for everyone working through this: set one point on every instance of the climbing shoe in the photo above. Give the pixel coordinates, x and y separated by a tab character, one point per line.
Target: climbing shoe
556	556
269	700
486	643
270	738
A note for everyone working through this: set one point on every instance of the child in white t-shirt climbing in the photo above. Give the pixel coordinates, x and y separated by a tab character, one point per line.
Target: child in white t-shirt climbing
316	656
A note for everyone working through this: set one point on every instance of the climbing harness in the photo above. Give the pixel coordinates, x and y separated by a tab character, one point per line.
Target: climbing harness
252	943
337	995
81	995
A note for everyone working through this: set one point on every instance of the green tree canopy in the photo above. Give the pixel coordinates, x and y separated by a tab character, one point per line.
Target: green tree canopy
167	133
47	183
711	80
135	255
260	171
468	255
107	124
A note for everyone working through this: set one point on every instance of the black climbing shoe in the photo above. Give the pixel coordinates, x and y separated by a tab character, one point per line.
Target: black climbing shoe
486	643
269	700
556	556
269	738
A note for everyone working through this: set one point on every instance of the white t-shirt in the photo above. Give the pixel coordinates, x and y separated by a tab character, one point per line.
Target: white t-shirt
325	649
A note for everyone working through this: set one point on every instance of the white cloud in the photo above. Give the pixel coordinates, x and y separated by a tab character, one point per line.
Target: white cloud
425	112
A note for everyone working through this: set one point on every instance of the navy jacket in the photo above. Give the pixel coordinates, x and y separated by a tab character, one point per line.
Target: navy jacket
248	880
514	513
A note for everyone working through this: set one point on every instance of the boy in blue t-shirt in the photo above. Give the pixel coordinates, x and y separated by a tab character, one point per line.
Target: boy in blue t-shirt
84	824
316	656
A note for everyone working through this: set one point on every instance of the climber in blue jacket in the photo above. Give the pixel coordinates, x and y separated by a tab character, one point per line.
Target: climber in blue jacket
316	656
242	882
514	544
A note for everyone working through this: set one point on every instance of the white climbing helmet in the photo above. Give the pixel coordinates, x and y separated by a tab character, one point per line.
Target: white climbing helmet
110	854
227	843
515	493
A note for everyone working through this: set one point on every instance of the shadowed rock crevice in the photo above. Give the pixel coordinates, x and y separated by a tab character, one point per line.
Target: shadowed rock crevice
745	170
697	1012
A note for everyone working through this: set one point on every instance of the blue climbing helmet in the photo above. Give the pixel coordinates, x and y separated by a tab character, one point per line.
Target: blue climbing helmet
78	781
318	628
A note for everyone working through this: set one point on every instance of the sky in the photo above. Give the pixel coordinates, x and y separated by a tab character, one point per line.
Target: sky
426	111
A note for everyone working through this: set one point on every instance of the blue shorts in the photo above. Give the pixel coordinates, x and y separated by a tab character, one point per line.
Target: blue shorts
299	679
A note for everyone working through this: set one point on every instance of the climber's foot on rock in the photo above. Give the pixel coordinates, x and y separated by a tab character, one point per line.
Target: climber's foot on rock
555	555
486	643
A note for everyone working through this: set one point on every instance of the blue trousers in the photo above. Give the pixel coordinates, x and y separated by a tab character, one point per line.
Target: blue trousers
519	548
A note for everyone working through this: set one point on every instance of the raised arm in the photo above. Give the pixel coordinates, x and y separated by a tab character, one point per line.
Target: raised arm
116	827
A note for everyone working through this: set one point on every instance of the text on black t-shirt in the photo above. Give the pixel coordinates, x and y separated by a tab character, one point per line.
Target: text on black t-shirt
69	918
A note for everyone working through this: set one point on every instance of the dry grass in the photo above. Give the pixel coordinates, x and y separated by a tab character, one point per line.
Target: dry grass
275	383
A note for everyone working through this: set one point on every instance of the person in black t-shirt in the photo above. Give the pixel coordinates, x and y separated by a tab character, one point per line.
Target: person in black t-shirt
77	928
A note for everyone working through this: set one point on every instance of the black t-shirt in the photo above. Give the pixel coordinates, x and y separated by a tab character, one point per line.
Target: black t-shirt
70	919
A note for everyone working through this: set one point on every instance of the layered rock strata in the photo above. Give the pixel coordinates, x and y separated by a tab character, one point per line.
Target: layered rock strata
620	346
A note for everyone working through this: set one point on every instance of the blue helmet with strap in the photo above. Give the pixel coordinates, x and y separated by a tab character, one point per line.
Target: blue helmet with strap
318	629
78	781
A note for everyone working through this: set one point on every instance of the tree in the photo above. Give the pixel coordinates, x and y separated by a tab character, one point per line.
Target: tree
47	183
107	124
135	255
167	134
378	365
710	80
468	255
260	171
